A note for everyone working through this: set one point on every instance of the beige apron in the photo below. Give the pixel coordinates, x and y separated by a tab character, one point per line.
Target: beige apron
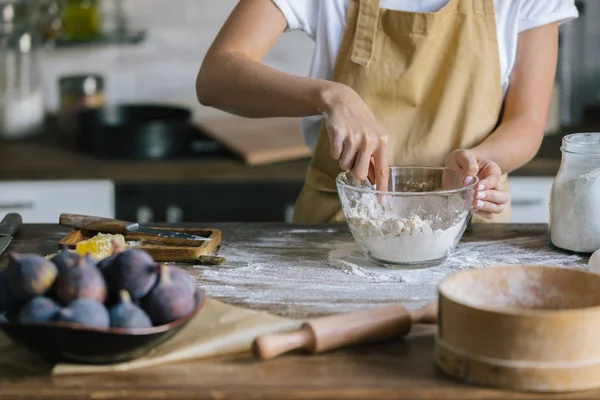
432	81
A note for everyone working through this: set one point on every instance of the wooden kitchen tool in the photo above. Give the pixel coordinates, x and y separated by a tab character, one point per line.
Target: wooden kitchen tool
160	248
332	332
258	141
523	327
161	252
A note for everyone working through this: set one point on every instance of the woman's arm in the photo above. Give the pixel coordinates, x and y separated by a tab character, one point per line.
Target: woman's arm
519	135
233	79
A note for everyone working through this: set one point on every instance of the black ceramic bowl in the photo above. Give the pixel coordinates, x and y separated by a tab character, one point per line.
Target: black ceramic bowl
65	342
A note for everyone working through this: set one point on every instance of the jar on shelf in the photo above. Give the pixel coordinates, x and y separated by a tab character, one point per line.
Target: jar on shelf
575	198
22	111
82	19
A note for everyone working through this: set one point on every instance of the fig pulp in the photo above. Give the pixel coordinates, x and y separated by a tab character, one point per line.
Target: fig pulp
133	270
173	297
38	310
87	312
8	301
126	314
65	259
82	280
30	275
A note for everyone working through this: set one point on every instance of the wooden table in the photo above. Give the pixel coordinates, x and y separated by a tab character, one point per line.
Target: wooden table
400	369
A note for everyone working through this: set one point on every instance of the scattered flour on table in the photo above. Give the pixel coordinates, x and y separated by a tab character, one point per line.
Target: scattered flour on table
407	230
313	276
528	250
576	213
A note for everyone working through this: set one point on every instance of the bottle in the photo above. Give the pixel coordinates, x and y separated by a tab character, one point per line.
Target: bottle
82	19
575	197
21	97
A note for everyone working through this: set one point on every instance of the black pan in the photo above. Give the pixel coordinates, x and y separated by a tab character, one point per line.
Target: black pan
135	131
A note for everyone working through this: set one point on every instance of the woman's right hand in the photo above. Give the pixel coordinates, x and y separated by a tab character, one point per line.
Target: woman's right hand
356	139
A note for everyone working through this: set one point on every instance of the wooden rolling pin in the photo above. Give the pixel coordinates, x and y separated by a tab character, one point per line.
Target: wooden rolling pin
333	332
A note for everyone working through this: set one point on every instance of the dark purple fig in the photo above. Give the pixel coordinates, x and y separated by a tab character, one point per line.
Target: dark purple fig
8	301
172	297
65	259
126	314
183	278
39	310
82	280
30	275
117	249
133	270
87	312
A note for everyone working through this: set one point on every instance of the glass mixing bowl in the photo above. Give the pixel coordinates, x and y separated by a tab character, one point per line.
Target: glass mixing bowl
416	223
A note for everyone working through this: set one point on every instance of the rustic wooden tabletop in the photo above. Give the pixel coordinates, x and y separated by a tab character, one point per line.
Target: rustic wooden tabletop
402	369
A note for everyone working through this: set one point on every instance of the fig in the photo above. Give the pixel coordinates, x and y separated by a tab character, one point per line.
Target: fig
133	270
8	301
171	298
38	310
126	314
65	259
117	249
82	280
87	312
30	275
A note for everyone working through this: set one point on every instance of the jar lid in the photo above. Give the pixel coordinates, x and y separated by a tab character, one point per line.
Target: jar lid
584	143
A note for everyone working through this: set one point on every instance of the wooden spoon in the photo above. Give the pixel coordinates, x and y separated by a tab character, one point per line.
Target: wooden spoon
333	332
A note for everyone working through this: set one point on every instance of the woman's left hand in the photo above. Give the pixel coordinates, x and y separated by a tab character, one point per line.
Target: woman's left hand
489	197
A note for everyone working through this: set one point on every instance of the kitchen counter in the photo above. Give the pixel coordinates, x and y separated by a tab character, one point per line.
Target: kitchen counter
46	159
397	369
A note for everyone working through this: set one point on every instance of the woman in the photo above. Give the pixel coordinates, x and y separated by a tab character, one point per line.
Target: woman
460	83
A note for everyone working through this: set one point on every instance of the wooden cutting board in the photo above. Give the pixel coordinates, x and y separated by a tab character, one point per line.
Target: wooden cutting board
153	245
258	141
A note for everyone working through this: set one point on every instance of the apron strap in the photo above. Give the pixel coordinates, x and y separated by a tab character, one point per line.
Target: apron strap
364	36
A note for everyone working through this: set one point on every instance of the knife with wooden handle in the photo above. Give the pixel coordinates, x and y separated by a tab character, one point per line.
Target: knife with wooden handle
333	332
114	226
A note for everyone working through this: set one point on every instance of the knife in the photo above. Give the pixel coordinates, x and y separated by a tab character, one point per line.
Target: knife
8	227
115	226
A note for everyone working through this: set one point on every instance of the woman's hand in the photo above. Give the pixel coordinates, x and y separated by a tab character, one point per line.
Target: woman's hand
489	197
356	139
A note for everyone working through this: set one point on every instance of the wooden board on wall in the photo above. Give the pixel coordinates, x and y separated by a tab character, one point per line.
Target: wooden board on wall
258	141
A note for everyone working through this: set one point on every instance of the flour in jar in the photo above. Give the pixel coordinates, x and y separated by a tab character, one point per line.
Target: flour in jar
575	213
406	230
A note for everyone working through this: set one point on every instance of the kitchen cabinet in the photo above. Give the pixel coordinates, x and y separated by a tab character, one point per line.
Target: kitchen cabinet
44	201
530	198
207	202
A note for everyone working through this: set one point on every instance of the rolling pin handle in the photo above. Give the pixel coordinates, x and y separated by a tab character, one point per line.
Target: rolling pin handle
272	345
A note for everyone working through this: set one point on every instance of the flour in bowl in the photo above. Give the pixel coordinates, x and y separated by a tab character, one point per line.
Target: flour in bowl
432	227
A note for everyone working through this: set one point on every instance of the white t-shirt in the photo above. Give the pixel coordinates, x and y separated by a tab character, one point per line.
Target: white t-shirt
324	21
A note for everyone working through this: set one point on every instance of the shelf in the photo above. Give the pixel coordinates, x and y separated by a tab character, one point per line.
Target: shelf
132	37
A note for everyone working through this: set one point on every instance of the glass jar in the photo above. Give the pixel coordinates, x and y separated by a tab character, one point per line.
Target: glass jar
82	19
21	97
80	91
575	198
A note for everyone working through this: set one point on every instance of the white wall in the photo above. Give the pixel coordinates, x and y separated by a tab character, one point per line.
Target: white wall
164	67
